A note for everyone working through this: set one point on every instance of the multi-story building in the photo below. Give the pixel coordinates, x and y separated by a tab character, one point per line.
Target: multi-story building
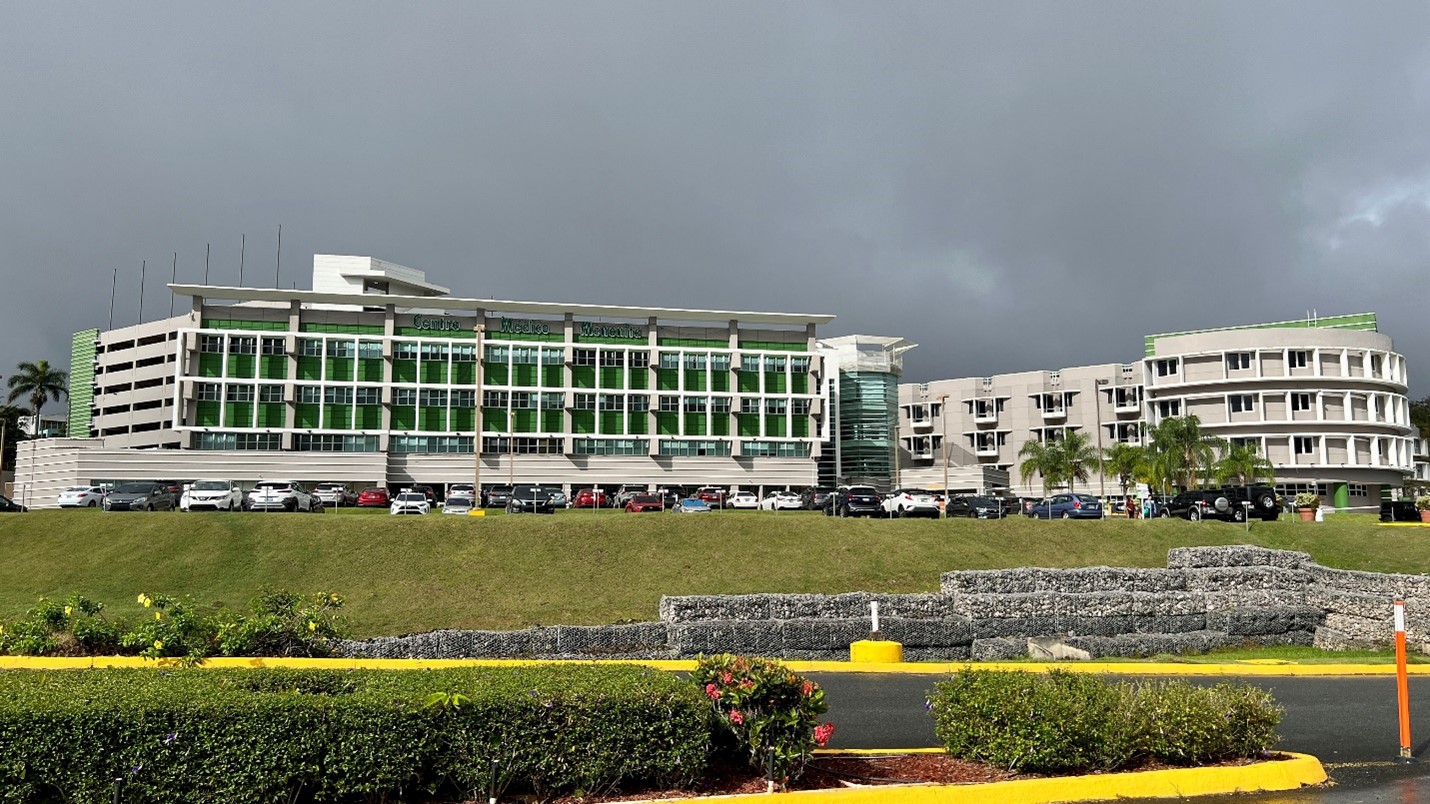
378	377
1324	400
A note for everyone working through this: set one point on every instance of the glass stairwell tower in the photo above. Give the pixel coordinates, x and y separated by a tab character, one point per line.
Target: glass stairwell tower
863	372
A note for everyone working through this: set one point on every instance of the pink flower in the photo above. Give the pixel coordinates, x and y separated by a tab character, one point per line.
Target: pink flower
822	733
808	689
736	717
747	684
712	691
726	678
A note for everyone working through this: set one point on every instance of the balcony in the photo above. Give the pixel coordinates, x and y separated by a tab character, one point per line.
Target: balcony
986	450
923	425
1058	412
985	414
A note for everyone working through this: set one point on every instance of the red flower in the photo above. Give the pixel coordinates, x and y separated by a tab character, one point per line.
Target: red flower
808	689
736	717
822	733
712	691
726	678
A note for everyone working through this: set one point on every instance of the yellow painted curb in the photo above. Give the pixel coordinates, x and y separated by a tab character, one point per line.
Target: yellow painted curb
1251	667
877	651
1290	774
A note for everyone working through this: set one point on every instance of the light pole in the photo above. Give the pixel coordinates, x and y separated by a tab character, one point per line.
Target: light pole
477	501
943	415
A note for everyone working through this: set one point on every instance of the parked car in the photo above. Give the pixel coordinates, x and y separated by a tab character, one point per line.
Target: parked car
1067	506
976	507
410	502
1399	511
283	495
781	501
644	503
425	490
813	499
558	500
911	502
855	501
714	496
212	495
589	498
672	495
337	495
460	505
461	490
374	497
141	496
1228	504
82	497
9	506
497	497
627	491
743	499
691	505
531	499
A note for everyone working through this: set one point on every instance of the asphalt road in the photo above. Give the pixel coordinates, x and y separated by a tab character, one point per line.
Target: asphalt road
1350	724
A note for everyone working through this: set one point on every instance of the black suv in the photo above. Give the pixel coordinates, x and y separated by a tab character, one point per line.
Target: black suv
532	499
1399	511
1228	504
855	501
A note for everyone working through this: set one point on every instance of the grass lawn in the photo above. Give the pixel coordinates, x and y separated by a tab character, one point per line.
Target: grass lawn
410	574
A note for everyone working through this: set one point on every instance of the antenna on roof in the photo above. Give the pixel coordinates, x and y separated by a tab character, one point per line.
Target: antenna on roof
278	266
173	276
242	240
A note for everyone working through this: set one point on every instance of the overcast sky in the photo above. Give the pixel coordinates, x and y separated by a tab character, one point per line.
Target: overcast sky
1013	186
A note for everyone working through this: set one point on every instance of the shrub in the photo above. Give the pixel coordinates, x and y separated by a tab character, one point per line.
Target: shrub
464	733
1306	499
1423	502
771	714
1066	722
76	627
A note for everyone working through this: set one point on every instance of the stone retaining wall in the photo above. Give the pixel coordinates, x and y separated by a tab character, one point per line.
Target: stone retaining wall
1206	597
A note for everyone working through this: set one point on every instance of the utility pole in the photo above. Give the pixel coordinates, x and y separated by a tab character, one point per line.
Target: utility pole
478	330
943	415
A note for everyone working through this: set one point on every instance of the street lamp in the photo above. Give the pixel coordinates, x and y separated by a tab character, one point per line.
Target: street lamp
943	415
477	501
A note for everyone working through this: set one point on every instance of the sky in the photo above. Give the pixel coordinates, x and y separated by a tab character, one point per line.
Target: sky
1013	186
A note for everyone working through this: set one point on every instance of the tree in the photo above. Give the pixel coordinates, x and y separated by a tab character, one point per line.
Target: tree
1182	452
1420	415
1075	455
1040	458
40	384
11	416
1125	462
1242	464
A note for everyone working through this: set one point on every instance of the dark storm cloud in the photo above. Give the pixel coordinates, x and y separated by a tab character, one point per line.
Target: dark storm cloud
1013	186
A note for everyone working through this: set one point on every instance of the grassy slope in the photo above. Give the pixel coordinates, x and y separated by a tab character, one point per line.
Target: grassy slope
407	574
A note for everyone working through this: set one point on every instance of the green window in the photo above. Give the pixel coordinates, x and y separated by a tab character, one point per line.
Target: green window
273	367
404	370
464	373
245	366
667	379
667	423
404	417
210	365
307	416
775	426
720	424
494	420
525	420
613	377
553	376
272	414
368	417
432	419
695	380
640	378
370	370
695	424
464	418
583	422
583	376
238	414
338	417
525	374
613	422
799	384
720	380
749	382
208	414
341	368
638	424
749	425
775	382
310	368
552	421
434	371
799	426
495	373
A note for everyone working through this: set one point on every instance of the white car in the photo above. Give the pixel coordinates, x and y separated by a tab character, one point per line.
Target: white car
743	499
459	505
82	497
410	502
912	502
283	495
216	495
781	501
461	490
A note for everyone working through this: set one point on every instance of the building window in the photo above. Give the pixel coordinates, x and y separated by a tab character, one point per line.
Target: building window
1238	403
695	362
498	354
584	401
1166	368
270	393
525	355
1172	407
211	344
775	449
207	391
610	446
1358	489
640	403
337	396
690	449
304	442
1304	445
523	400
430	444
612	358
272	346
237	441
1238	361
776	406
669	404
310	347
309	394
434	351
799	365
522	445
640	360
407	397
612	401
1296	358
749	405
670	360
243	345
1244	442
337	348
494	399
370	396
720	404
583	357
749	362
464	353
553	400
695	404
239	393
799	407
371	350
1300	401
464	399
775	364
404	350
553	356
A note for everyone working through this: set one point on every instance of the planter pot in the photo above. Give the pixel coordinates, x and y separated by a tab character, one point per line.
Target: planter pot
1425	515
1306	514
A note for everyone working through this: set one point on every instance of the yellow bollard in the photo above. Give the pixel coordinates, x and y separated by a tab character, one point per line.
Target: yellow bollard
877	651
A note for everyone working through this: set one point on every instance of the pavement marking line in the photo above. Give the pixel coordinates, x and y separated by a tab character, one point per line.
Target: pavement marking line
1299	771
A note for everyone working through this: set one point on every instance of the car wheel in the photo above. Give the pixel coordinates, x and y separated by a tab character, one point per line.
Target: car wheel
1266	501
1164	514
92	503
1067	515
844	512
147	507
1194	514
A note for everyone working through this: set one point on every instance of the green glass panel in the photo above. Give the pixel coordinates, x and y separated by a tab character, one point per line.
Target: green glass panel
404	418
749	425
210	365
267	326
553	376
464	418
583	377
310	368
640	378
799	427
720	381
525	420
495	374
342	329
81	382
667	423
272	414
245	366
338	417
583	422
525	375
792	346
341	368
307	416
464	373
238	414
369	417
775	383
273	367
493	420
695	380
208	414
799	384
370	370
415	332
613	377
432	419
749	382
404	371
553	421
715	343
774	426
613	422
695	424
720	424
667	379
434	371
638	424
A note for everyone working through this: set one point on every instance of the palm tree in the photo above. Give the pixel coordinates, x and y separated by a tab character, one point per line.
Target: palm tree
1125	461
40	383
1076	455
1040	458
1243	464
10	415
1183	451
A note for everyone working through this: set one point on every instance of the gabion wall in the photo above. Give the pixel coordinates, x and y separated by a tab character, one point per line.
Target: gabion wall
1206	597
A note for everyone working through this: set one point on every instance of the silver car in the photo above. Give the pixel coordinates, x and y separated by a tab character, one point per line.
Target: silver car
283	495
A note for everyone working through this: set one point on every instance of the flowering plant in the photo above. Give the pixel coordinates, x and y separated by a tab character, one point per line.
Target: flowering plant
1306	499
1423	502
772	713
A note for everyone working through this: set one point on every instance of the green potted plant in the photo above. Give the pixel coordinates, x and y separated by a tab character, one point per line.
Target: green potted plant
1423	503
1306	505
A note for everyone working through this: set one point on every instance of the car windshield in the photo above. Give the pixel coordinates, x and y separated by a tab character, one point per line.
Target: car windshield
862	490
374	490
210	485
1087	498
459	502
135	488
328	486
645	498
983	502
411	497
272	485
501	489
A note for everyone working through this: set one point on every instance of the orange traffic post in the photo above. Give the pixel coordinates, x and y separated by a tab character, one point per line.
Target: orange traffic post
1402	683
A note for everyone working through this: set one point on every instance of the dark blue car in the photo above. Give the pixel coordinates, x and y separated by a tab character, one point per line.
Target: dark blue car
1067	506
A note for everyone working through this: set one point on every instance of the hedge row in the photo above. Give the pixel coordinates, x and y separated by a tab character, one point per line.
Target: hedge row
1062	722
271	735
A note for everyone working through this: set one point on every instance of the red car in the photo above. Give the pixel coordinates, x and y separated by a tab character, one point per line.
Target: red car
589	498
374	497
645	502
714	496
